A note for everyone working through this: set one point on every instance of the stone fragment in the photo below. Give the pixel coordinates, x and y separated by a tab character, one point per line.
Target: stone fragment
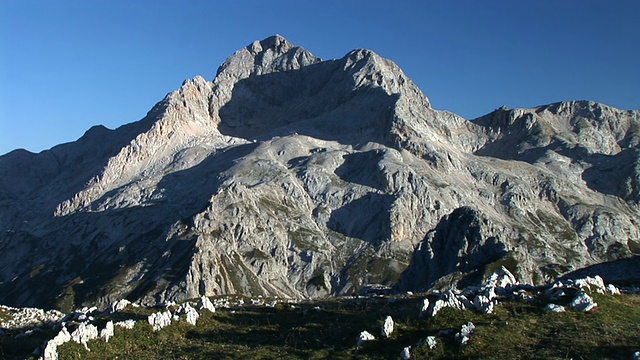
431	342
447	299
425	306
555	308
582	302
465	332
51	348
158	320
205	303
84	333
364	336
119	305
127	324
107	332
613	290
588	282
405	354
192	315
387	327
483	304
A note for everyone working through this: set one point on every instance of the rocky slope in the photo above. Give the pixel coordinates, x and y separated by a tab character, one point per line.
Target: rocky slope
292	176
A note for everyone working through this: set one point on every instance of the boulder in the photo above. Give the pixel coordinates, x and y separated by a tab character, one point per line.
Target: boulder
465	332
107	332
555	308
405	354
205	303
387	327
83	333
364	336
51	348
159	320
582	302
127	324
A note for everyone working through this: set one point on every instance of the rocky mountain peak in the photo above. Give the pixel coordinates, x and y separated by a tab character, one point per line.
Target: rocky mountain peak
291	176
272	54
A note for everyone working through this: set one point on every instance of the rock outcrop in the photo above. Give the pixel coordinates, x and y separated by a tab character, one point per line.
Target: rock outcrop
291	176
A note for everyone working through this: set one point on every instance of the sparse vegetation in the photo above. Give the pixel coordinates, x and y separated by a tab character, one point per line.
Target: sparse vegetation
516	330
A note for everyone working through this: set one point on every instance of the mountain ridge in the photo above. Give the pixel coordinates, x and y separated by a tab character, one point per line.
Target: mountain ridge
291	176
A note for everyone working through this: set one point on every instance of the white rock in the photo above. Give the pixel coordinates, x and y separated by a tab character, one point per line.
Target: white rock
555	308
159	320
406	353
483	304
589	282
583	302
465	332
431	342
84	333
192	315
364	336
425	306
51	349
107	332
447	299
119	305
613	290
127	324
205	303
500	280
387	327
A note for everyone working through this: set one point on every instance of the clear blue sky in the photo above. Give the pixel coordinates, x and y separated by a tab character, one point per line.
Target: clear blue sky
67	65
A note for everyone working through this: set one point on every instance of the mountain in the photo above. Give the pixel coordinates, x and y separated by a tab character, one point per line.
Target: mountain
292	176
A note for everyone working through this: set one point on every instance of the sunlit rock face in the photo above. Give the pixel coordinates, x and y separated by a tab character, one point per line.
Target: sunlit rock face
291	176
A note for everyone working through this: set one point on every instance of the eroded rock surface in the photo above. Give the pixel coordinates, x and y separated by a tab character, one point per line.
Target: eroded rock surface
291	176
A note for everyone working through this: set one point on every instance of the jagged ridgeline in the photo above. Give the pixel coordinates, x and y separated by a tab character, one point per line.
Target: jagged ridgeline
291	176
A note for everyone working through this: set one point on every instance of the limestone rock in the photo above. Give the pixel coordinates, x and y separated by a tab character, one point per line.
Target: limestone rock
363	337
158	320
387	327
205	303
425	306
107	332
291	176
555	308
431	342
447	299
127	324
51	348
119	305
405	354
465	332
582	302
83	333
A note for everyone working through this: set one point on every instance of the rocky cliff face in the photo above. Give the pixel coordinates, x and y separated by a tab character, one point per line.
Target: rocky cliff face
296	177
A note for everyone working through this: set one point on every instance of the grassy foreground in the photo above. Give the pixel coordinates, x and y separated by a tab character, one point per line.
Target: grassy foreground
516	330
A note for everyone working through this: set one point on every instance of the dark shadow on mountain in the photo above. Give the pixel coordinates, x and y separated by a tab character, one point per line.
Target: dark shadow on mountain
362	168
319	100
455	245
622	271
617	175
50	177
113	244
366	218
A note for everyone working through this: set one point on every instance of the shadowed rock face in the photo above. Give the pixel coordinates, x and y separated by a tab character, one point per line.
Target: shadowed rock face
291	176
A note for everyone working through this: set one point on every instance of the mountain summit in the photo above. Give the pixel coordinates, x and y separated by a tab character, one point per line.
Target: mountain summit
291	176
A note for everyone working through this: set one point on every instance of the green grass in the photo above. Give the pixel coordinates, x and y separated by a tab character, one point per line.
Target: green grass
516	330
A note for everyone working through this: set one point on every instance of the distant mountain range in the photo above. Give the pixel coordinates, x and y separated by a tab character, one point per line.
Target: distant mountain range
291	176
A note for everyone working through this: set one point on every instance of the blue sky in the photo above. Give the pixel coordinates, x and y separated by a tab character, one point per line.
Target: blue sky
67	65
